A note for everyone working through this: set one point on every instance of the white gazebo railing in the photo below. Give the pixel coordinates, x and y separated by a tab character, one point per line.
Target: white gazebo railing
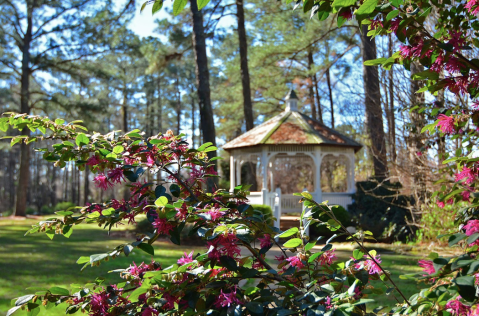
338	198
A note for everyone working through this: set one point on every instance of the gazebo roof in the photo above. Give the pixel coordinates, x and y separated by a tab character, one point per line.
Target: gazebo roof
292	128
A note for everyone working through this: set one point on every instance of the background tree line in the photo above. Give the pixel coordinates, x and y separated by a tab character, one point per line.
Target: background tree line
212	74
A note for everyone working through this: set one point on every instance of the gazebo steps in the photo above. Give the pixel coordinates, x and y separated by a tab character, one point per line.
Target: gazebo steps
288	222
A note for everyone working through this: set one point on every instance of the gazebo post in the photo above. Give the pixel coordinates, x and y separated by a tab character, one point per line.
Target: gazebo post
317	175
238	170
232	173
264	166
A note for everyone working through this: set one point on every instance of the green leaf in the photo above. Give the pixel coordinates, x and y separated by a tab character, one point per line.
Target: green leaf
147	248
358	254
289	232
255	307
157	6
136	294
314	256
59	121
178	6
391	15
375	62
59	291
24	299
81	140
454	239
202	3
83	260
292	243
310	245
143	6
343	3
13	310
162	201
204	146
367	7
118	149
426	74
472	238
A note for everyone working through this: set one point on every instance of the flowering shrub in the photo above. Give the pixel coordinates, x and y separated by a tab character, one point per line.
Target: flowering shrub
231	275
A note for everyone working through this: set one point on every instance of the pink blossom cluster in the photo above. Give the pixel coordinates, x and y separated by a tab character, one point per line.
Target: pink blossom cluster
227	299
369	265
427	266
224	245
472	6
446	124
163	226
466	174
187	258
265	241
472	227
296	261
327	257
456	307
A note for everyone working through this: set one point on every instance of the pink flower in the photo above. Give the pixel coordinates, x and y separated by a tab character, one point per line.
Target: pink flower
93	161
446	124
224	245
472	227
370	265
227	299
395	25
295	262
457	40
170	301
99	304
450	201
101	181
327	257
149	311
347	14
438	64
467	174
265	241
457	308
406	52
162	225
427	266
187	258
466	195
453	65
375	24
280	258
215	214
116	175
472	6
475	105
441	204
419	153
182	212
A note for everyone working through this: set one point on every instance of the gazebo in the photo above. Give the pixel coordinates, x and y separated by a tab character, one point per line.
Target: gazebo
290	153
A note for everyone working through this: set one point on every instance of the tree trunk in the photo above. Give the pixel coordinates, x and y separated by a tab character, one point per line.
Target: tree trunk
374	118
328	79
311	84
124	109
318	99
245	80
178	105
416	138
24	174
193	122
86	186
207	122
160	107
392	119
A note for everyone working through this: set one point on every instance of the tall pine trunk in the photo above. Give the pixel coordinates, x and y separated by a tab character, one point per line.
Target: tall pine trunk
245	80
311	83
318	98
392	118
374	118
24	174
207	122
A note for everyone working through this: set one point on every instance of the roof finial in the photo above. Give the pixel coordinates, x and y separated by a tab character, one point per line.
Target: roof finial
291	101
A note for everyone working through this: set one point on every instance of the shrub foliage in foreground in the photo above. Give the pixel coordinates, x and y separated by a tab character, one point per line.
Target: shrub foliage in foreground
230	275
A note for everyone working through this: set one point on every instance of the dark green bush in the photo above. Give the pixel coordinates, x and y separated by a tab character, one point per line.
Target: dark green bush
321	230
63	206
47	210
381	208
266	211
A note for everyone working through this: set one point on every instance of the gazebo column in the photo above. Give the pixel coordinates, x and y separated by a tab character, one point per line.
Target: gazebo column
232	173
352	183
264	185
317	176
238	170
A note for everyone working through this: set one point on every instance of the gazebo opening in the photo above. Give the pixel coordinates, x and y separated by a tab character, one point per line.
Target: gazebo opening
334	173
291	173
251	172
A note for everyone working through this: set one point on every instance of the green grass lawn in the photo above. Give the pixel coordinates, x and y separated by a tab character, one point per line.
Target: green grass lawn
37	261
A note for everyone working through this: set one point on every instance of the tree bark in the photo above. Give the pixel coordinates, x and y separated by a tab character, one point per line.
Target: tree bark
178	105
193	122
374	118
160	107
328	79
86	186
24	174
318	99
245	80
207	122
392	119
311	84
124	109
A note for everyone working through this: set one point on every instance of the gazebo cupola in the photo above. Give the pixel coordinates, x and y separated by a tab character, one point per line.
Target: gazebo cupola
291	153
